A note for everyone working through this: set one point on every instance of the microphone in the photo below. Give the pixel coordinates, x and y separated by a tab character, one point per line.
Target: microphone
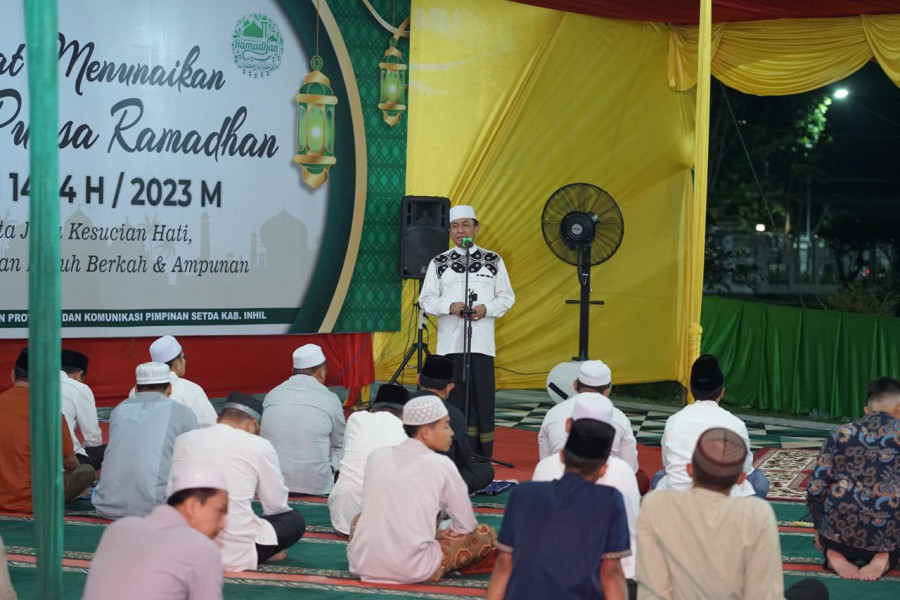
467	242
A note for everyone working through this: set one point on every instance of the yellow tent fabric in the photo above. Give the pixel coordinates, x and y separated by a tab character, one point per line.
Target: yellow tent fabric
789	56
500	118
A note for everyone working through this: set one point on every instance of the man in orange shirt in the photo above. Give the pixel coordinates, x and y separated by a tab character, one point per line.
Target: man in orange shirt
15	448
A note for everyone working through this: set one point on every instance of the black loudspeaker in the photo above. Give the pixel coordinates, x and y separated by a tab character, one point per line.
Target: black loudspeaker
425	227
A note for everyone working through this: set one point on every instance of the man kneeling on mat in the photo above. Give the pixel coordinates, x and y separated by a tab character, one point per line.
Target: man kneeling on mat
397	538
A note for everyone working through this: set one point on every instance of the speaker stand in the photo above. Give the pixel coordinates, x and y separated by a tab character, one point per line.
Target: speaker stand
419	347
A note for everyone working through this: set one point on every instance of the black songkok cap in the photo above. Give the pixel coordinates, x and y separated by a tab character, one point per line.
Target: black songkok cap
391	393
590	439
246	404
74	360
720	454
22	360
438	367
707	378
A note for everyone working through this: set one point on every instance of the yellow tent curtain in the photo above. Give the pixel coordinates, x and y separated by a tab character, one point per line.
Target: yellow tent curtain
500	118
789	56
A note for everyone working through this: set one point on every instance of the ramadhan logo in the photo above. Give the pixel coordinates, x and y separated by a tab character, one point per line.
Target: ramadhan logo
257	45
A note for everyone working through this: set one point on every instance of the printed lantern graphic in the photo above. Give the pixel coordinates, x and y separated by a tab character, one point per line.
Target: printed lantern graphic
393	84
315	126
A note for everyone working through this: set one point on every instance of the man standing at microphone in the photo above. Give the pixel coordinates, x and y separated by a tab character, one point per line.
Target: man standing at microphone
444	294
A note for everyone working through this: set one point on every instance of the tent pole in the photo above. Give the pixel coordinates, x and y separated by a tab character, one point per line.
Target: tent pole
44	296
697	222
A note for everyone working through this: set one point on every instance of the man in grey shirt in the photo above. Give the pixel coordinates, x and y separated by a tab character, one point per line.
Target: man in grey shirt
172	552
305	423
142	432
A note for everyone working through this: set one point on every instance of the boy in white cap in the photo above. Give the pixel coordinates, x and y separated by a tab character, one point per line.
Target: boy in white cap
305	422
167	350
142	432
444	294
250	466
595	380
618	475
171	552
406	488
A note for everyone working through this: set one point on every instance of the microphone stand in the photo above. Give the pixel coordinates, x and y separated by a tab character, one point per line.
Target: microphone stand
468	312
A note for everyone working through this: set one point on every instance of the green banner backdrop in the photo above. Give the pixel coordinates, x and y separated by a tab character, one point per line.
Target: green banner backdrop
796	360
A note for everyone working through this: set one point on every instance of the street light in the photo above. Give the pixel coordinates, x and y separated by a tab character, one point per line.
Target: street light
761	227
841	93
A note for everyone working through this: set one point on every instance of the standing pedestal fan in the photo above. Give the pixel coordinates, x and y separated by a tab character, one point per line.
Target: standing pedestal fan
583	226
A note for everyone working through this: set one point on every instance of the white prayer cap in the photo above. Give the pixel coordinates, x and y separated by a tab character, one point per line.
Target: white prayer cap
595	373
152	372
165	349
193	476
593	406
462	211
424	410
308	356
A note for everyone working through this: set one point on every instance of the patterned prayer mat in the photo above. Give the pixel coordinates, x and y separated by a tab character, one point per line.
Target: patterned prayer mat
788	472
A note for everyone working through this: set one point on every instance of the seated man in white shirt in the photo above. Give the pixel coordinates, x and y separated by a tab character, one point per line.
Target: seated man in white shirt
595	379
172	552
684	428
305	423
407	488
80	409
167	350
366	432
618	474
250	466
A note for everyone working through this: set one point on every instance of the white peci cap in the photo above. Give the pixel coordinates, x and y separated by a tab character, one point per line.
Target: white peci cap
165	349
308	356
592	406
151	372
424	410
595	373
462	211
193	476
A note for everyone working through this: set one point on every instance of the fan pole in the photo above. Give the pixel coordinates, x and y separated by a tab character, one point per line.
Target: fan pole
584	277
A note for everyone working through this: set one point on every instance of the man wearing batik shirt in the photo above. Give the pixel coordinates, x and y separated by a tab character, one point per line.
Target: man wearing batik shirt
854	491
564	539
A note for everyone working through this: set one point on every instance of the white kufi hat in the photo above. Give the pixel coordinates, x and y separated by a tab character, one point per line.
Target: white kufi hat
151	373
595	373
165	349
592	406
424	410
462	211
193	476
308	356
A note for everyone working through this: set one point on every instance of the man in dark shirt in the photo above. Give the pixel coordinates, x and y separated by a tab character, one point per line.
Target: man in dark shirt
563	539
437	378
854	491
